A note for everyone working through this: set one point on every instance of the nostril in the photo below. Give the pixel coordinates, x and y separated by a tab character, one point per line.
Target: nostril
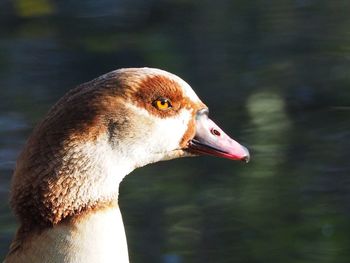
215	132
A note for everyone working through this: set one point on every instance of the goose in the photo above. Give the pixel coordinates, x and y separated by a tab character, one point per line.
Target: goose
64	189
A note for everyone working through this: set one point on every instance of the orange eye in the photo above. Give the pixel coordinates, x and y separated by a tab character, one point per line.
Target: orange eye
162	104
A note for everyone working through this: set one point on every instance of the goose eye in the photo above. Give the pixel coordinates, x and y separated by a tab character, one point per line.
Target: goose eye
162	104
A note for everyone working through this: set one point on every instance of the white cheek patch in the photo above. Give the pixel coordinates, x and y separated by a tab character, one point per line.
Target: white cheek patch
168	132
161	135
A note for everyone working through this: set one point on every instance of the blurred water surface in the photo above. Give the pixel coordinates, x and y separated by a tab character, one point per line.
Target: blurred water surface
275	75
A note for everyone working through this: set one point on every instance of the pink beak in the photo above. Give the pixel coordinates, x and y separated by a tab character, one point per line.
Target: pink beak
211	140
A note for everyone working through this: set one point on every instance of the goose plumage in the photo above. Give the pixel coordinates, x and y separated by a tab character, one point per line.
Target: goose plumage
65	185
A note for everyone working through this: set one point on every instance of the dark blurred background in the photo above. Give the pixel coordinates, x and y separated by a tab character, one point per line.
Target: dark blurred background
275	74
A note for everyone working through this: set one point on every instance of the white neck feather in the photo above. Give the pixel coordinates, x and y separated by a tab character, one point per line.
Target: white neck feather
95	237
100	237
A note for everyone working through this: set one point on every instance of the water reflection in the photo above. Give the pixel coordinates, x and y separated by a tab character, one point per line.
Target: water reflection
12	127
275	77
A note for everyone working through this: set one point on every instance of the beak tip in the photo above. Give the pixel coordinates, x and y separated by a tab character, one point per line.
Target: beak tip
246	157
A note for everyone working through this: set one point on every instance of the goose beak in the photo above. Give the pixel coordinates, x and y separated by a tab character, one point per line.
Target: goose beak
211	140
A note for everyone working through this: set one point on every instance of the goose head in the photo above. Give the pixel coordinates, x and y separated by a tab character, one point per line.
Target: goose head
101	131
164	119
